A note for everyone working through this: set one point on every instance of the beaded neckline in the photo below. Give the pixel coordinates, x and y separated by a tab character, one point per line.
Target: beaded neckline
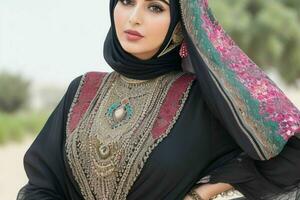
132	81
107	160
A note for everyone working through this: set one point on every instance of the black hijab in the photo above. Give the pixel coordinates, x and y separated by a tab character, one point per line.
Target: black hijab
133	67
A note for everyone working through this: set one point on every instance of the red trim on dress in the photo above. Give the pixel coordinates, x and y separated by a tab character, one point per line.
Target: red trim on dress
171	105
88	90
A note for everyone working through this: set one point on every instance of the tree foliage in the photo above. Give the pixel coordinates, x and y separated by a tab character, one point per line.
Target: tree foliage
14	92
268	31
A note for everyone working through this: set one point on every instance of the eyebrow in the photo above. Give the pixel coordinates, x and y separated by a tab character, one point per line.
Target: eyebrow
164	1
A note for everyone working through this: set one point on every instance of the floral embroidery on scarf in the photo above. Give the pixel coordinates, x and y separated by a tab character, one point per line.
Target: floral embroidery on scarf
263	106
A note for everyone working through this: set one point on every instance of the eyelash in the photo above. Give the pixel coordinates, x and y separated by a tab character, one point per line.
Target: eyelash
157	8
125	4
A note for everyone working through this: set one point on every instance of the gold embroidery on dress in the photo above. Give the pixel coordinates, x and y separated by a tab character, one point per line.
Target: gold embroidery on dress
175	40
106	159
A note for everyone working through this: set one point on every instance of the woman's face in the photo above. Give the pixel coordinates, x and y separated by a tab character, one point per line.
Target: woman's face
149	18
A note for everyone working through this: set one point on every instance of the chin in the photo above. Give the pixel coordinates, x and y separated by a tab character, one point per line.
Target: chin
136	49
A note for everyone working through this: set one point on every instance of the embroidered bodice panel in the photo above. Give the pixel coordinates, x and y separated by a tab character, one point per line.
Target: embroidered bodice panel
122	125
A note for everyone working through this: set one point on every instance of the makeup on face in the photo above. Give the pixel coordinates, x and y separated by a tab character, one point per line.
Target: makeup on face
164	1
142	25
154	7
133	35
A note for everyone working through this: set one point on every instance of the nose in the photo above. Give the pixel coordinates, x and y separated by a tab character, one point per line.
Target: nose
136	15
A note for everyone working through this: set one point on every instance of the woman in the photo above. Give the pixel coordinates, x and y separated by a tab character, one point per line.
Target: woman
151	131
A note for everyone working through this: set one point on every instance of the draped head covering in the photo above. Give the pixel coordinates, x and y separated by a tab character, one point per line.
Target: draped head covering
133	67
248	103
255	111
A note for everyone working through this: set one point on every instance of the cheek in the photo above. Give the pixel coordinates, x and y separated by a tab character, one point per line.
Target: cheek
158	28
119	18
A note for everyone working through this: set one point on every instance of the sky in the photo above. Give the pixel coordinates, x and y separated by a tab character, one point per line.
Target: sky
53	42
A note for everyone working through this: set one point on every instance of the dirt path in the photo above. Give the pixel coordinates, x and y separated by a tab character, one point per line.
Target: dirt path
12	174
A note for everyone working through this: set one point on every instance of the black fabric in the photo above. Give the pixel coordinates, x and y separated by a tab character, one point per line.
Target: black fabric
44	163
173	168
197	146
133	67
218	105
279	177
196	140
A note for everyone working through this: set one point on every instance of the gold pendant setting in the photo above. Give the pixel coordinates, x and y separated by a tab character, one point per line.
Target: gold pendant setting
119	113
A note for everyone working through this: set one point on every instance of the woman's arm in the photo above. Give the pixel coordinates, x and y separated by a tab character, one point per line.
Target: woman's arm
279	177
208	191
44	162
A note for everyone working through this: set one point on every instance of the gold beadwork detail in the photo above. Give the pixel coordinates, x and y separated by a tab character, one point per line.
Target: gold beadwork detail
175	40
104	161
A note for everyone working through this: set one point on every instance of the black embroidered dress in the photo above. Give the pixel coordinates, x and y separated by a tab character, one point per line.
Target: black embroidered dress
196	142
228	122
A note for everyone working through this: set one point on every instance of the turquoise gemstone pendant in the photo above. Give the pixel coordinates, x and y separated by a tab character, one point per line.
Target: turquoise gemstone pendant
119	113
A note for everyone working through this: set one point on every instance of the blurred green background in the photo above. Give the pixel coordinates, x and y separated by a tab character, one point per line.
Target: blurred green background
17	117
268	31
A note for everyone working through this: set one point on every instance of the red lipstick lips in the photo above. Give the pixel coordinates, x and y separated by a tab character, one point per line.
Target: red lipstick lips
133	35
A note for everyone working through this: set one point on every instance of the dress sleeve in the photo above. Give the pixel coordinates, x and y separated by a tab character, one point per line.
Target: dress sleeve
44	162
274	179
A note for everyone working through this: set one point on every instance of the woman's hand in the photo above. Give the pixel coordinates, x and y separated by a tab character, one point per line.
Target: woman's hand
207	191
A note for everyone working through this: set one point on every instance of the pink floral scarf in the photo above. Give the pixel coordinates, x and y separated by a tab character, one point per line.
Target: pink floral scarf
256	112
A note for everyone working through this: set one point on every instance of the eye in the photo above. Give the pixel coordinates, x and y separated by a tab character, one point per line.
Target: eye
126	2
156	8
